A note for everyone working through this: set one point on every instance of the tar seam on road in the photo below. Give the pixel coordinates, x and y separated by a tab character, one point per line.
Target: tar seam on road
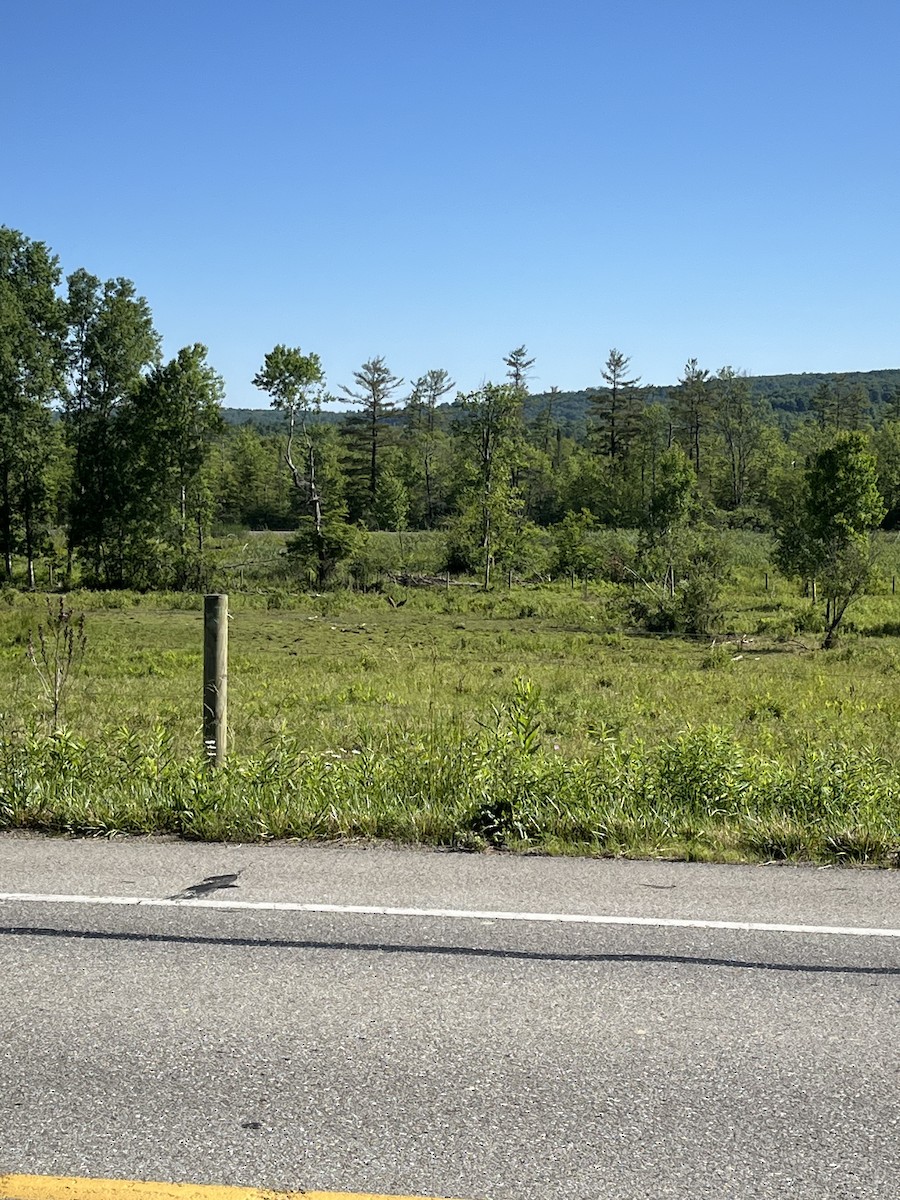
48	1187
453	914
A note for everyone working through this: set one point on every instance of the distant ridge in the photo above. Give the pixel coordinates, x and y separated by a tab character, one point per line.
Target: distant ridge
789	396
271	418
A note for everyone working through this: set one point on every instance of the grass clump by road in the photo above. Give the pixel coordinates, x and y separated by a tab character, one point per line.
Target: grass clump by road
528	720
698	796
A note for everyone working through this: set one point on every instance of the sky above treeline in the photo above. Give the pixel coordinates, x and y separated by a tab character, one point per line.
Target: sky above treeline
440	181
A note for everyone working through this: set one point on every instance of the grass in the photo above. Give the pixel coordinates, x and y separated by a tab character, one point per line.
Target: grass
350	718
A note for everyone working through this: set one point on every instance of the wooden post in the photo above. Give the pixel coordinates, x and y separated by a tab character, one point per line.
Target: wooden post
893	584
767	580
215	677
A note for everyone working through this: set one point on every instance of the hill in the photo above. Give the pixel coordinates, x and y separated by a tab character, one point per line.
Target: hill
788	395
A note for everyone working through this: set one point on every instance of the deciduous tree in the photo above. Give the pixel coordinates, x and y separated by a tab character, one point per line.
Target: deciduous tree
489	430
828	537
32	361
174	414
112	344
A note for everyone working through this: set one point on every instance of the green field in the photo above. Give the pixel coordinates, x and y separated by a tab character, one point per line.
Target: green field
529	718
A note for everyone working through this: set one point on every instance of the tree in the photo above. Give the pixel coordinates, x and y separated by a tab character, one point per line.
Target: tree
837	404
673	495
32	361
519	368
422	431
375	384
296	384
615	406
736	419
683	561
426	395
543	422
887	450
391	507
574	550
174	414
692	408
828	536
112	343
653	438
488	429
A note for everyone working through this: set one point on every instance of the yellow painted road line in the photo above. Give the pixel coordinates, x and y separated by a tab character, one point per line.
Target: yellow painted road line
49	1187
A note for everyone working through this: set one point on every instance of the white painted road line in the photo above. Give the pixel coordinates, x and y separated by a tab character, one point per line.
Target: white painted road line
451	914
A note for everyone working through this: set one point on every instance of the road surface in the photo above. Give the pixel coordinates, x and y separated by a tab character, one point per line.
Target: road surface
455	1048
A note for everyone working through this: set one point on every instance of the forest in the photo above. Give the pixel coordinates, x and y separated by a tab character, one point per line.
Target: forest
121	470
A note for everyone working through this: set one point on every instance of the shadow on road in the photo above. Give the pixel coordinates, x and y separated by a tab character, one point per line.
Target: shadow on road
182	939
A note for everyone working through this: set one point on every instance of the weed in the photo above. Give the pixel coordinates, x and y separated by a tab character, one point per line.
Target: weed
58	654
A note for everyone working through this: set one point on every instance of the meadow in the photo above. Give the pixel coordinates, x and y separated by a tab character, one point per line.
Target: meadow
534	717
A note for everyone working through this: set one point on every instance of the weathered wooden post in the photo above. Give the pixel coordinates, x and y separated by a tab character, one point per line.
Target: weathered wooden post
215	677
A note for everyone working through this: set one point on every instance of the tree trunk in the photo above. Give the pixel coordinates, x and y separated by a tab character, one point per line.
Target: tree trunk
487	548
29	536
182	512
429	502
373	467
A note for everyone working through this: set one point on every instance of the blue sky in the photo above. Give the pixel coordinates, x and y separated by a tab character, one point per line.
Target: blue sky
440	181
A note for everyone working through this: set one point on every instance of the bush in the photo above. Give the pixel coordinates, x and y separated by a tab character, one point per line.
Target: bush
317	556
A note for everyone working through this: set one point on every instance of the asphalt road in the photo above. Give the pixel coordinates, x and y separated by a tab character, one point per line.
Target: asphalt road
446	1056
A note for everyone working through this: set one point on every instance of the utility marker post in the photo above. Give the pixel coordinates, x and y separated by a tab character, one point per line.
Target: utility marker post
215	677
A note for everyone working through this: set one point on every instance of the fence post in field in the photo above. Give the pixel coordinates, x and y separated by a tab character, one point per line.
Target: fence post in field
215	677
767	580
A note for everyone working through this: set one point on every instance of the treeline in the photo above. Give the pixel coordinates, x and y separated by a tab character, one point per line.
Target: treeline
124	470
116	466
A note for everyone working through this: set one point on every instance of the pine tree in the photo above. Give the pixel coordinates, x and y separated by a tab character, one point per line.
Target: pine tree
692	409
375	385
519	368
615	407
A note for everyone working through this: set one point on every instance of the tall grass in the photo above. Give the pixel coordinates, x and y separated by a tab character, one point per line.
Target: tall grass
354	718
698	796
